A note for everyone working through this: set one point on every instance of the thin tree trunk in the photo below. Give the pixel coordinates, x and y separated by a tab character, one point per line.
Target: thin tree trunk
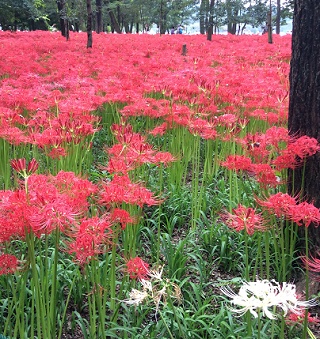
210	25
62	15
278	17
202	16
99	26
162	18
89	24
114	22
270	25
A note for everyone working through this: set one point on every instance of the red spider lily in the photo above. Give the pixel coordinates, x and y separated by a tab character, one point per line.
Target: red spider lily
244	218
304	146
255	146
137	268
119	166
121	189
275	135
293	318
160	130
123	217
52	202
92	237
285	160
57	152
72	189
14	215
202	128
77	188
163	158
147	107
304	214
265	175
238	163
8	264
49	215
132	151
311	263
21	167
279	204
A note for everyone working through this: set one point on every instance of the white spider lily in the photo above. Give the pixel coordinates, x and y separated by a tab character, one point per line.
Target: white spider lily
266	296
136	297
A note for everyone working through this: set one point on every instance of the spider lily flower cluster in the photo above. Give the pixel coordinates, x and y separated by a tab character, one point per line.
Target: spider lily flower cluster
267	298
154	287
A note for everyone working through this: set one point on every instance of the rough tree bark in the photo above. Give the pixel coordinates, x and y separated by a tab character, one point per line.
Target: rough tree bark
89	24
304	105
99	27
278	17
203	16
269	21
114	22
63	18
210	23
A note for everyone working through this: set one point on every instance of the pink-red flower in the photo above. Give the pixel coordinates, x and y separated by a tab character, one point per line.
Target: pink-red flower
8	264
122	189
21	167
244	218
237	163
123	217
265	175
91	237
137	268
304	214
304	146
279	204
293	318
311	263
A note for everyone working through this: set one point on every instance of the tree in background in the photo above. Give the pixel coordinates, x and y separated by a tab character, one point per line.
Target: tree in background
137	15
64	22
21	14
89	24
210	22
304	106
99	25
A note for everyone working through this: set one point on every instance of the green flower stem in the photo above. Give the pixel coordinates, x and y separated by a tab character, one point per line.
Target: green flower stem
196	198
66	307
40	313
166	325
305	322
112	279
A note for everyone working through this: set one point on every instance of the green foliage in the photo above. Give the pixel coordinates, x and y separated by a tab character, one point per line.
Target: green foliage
136	15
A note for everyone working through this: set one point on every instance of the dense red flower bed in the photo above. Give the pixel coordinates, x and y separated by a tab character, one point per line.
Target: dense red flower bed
43	74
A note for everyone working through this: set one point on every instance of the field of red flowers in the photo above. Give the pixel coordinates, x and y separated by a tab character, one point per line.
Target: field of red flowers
137	180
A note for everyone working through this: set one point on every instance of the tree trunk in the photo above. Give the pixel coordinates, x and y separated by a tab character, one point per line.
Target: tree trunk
270	40
89	24
202	16
210	24
99	26
162	18
304	105
114	22
66	28
278	17
232	28
62	15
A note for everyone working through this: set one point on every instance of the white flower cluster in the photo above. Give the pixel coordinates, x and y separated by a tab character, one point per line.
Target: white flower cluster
155	289
267	297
